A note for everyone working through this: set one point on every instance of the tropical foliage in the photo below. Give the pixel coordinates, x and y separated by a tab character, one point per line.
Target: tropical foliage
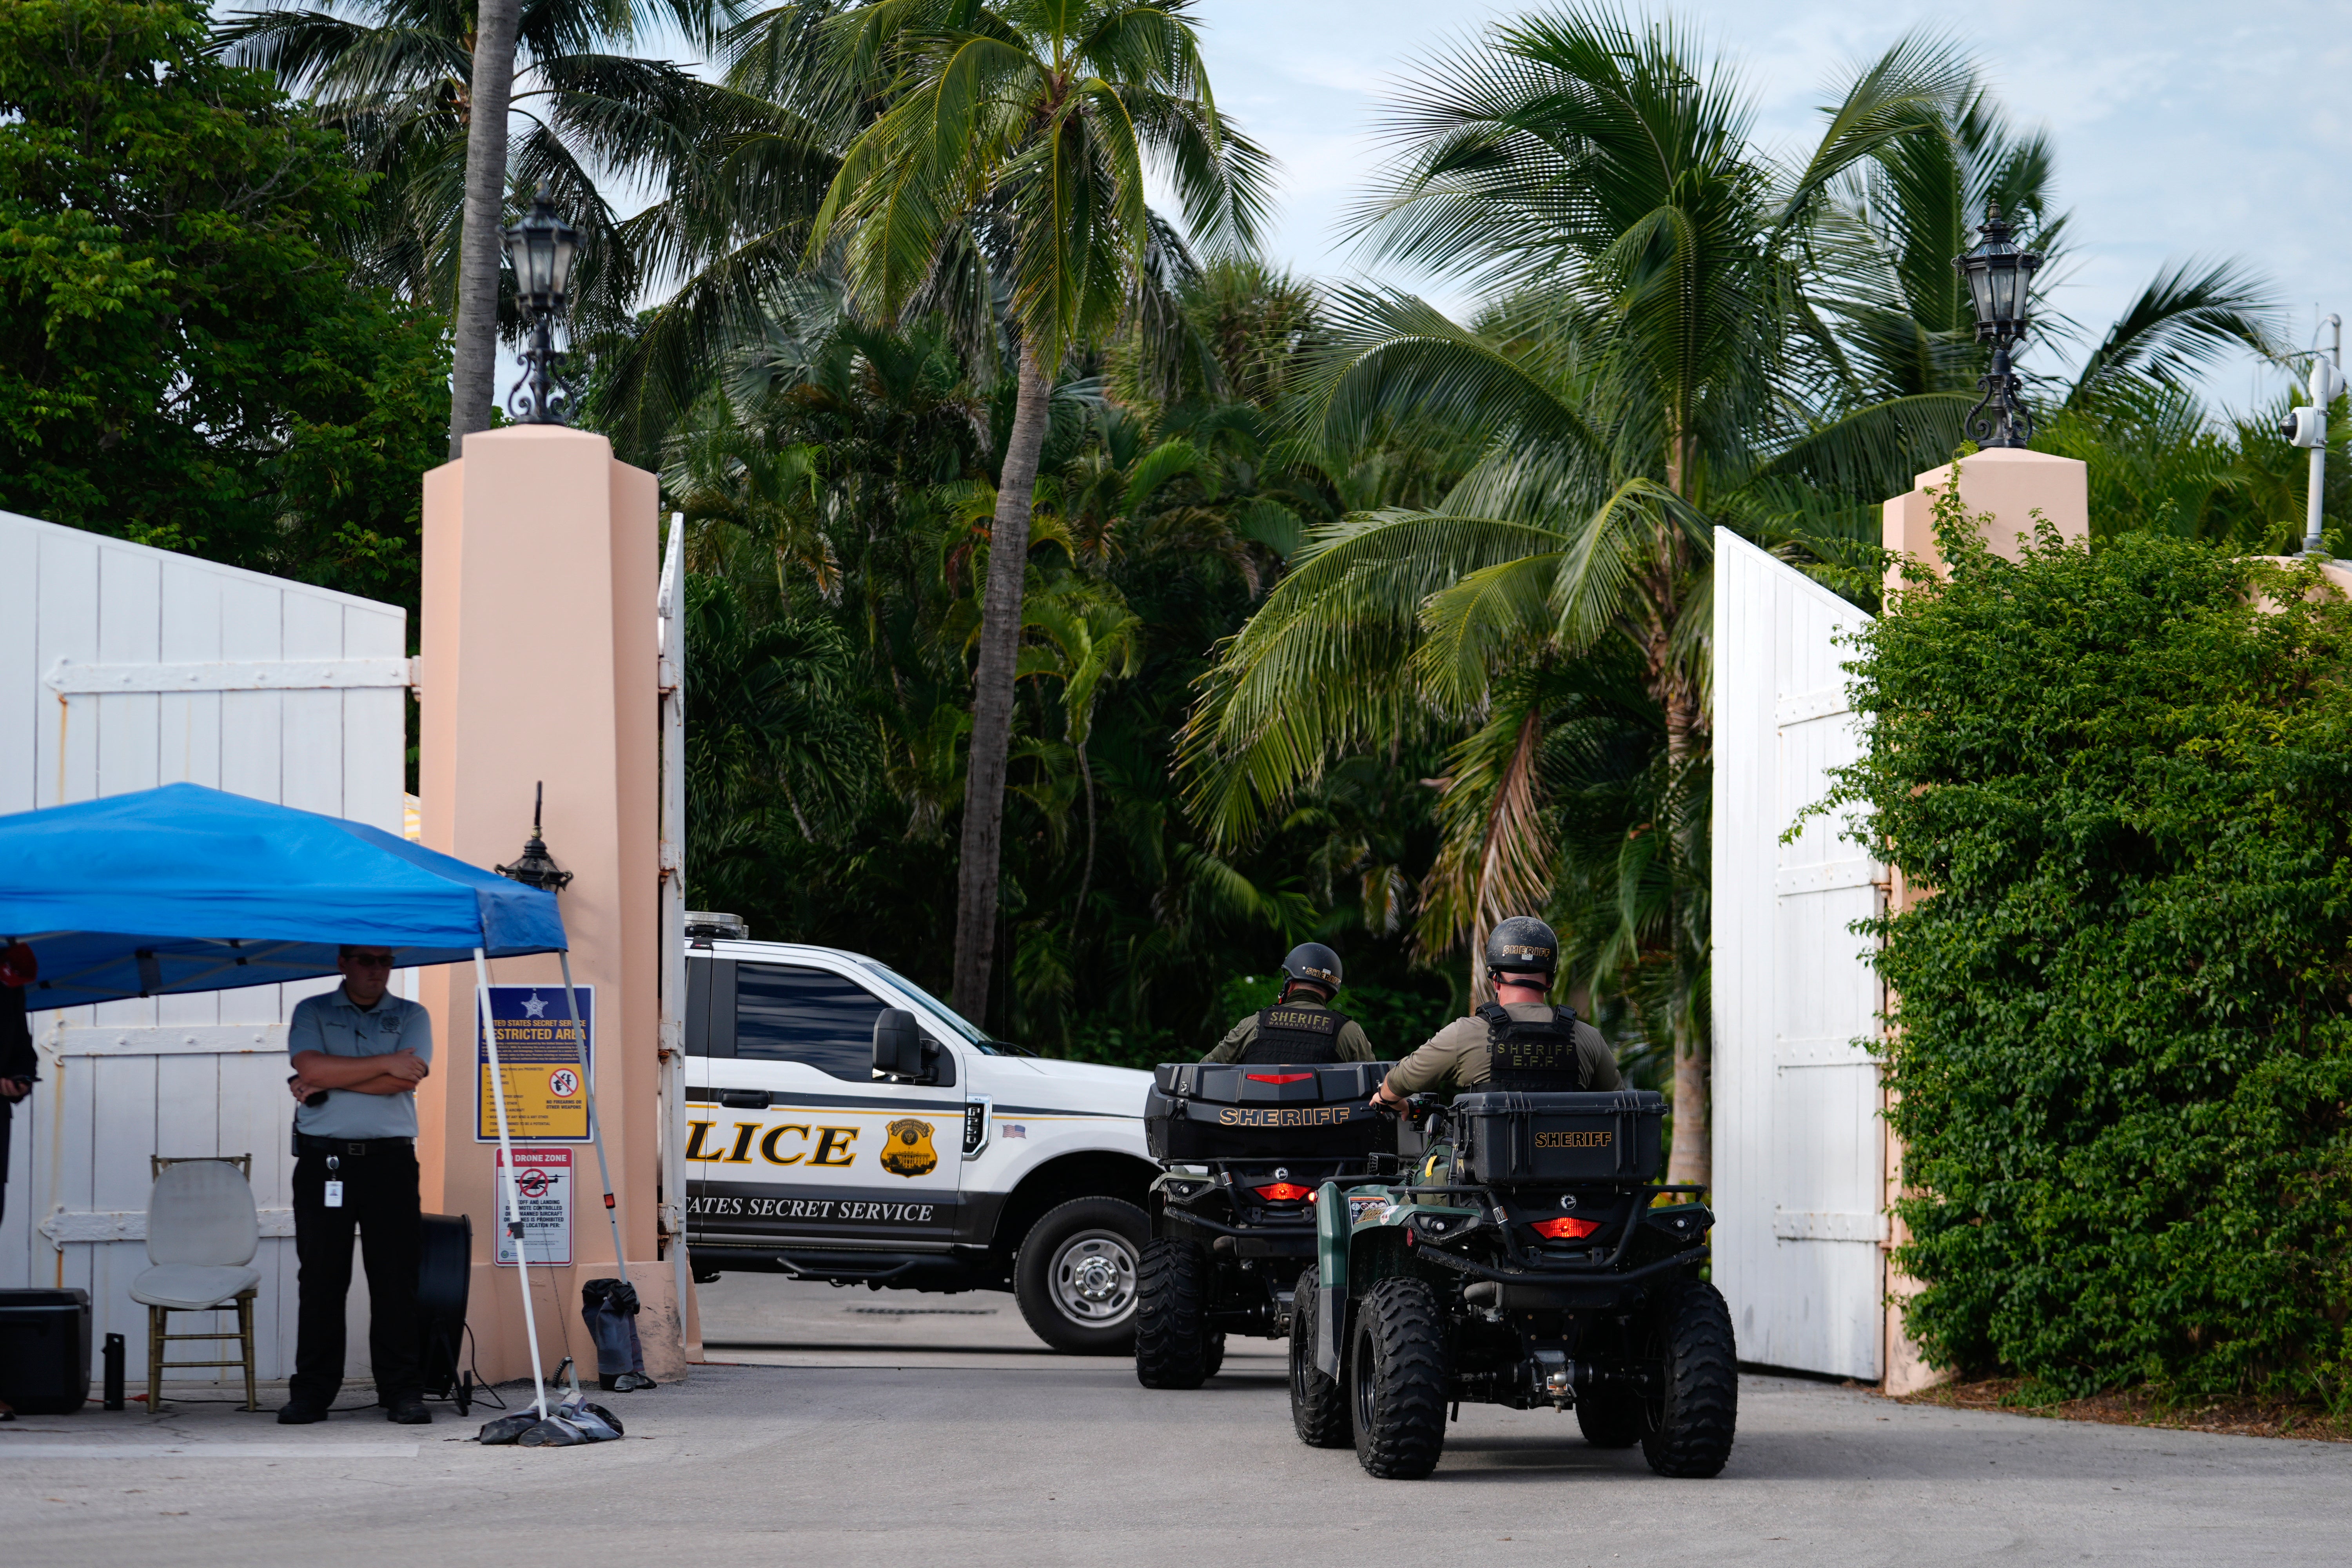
182	361
2126	1045
1678	331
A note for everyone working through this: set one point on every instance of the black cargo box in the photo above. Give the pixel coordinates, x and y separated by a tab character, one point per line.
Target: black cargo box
1206	1110
1507	1139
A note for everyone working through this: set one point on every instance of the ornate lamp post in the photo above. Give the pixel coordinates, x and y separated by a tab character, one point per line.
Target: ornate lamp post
541	248
1999	277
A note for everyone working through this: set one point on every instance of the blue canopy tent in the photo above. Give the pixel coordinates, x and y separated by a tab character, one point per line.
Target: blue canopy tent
189	888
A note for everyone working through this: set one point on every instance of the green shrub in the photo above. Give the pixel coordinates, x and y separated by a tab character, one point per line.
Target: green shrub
2125	1042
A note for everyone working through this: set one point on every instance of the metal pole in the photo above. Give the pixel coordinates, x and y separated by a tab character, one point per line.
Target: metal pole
596	1122
483	1021
671	628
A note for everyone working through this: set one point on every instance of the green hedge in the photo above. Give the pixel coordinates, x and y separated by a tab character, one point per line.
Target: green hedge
2125	1042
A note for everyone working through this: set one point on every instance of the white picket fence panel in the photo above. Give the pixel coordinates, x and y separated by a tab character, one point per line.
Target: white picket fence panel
1799	1145
123	667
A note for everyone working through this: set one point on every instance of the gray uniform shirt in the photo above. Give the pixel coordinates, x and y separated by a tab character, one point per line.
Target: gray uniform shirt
1456	1057
1353	1044
335	1026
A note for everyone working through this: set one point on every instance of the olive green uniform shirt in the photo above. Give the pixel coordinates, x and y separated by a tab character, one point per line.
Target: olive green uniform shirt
1353	1044
1456	1058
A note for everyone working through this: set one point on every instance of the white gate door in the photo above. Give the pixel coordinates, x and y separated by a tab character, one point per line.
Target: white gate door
123	667
1799	1149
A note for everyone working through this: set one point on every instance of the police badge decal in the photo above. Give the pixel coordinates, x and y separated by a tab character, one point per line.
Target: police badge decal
909	1151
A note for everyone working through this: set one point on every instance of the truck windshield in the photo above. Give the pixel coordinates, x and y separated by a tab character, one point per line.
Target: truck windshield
947	1017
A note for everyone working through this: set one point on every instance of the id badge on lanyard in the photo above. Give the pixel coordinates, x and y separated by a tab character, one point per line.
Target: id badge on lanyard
334	1199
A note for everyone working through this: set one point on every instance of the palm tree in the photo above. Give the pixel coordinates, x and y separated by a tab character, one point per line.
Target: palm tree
424	89
1012	144
1641	371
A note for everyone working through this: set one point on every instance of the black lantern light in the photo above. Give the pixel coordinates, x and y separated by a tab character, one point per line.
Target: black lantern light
541	248
535	868
1999	277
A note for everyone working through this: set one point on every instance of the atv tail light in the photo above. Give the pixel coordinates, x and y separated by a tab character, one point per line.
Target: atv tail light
1565	1229
1279	1076
1284	1193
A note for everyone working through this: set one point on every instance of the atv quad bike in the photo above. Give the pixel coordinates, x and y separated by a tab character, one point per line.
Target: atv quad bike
1233	1221
1525	1260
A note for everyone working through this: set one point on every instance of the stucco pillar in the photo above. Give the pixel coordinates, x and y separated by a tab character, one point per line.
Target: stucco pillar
540	573
2011	485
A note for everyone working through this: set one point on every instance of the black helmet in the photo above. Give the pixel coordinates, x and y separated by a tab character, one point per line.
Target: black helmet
1314	963
1522	945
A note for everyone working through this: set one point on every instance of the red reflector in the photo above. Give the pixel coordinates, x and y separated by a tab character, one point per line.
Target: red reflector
1565	1229
1280	1077
1284	1193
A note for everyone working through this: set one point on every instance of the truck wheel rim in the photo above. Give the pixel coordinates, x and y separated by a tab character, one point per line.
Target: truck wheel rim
1094	1279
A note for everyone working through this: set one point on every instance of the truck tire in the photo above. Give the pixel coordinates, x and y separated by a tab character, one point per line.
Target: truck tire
1213	1353
1611	1420
1172	1340
1075	1276
1318	1405
1397	1367
1687	1427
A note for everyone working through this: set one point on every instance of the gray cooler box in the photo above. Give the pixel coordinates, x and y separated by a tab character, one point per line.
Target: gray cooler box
1206	1110
1504	1139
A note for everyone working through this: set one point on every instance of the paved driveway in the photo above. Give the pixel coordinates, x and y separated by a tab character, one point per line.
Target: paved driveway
848	1435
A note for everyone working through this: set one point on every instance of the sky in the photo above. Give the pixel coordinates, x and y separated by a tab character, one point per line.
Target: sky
2180	128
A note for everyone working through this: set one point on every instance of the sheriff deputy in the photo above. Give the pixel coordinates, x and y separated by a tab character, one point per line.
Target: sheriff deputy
1301	1027
1549	1047
359	1052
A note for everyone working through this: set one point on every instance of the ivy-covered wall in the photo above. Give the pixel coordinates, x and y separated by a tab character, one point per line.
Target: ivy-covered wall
2125	1044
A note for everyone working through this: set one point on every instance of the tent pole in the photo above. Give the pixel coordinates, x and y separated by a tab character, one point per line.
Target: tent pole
489	1028
596	1123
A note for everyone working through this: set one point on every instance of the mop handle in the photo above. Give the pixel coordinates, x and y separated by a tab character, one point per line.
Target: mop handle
596	1122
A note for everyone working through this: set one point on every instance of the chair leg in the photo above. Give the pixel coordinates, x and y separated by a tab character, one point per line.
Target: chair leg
244	1332
157	1318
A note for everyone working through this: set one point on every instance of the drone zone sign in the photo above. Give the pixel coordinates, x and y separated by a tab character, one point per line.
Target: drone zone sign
543	1194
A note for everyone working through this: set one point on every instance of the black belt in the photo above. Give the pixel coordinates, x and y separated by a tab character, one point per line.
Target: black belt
351	1148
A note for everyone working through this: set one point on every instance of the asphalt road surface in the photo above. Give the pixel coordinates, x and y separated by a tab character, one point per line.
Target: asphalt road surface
856	1427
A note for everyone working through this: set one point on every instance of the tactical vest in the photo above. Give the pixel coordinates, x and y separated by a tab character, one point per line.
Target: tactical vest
1288	1032
1532	1058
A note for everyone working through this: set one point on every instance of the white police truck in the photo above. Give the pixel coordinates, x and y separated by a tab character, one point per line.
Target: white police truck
967	1164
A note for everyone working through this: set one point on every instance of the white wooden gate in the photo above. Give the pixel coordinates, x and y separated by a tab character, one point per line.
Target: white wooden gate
1798	1147
123	667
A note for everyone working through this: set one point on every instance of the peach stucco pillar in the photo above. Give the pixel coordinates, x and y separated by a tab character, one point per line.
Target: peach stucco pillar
2009	483
2011	486
540	573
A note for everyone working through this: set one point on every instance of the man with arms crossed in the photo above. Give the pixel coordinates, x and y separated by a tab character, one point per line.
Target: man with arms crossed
359	1054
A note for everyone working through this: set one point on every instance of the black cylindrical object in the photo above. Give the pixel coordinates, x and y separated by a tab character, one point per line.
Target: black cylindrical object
113	1357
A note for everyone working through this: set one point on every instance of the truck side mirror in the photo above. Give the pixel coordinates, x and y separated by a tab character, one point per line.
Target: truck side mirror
897	1044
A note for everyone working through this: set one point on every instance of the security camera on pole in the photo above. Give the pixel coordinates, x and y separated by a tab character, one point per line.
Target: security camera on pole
2308	428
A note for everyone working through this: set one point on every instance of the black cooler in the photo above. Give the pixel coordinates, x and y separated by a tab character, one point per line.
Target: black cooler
1209	1110
45	1351
1504	1139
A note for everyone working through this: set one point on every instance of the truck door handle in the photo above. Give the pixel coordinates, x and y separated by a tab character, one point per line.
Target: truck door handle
743	1099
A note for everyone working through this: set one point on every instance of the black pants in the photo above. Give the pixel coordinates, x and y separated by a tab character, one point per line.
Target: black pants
380	1198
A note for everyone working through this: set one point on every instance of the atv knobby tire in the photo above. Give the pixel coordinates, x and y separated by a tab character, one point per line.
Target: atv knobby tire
1318	1405
1397	1370
1171	1332
1689	1421
1610	1420
1212	1352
